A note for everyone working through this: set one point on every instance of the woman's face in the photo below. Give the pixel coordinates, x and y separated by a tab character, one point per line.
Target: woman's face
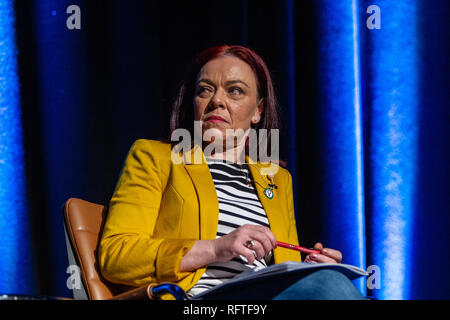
226	95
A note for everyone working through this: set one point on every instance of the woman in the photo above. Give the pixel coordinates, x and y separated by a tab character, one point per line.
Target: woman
199	223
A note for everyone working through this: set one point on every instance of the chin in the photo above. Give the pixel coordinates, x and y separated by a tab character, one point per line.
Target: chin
213	131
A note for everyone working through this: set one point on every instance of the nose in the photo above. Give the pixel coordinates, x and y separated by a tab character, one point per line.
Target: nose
218	99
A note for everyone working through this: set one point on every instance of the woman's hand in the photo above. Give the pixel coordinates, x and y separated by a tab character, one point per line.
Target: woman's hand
326	255
236	243
229	246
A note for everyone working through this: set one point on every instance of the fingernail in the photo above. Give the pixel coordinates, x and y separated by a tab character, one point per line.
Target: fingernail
325	251
314	256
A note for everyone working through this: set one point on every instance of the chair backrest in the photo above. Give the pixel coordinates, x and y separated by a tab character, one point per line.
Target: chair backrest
83	223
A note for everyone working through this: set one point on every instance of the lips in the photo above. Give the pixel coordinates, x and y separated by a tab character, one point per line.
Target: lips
215	119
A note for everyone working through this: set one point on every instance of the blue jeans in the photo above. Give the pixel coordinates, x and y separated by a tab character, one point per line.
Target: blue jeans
318	285
321	285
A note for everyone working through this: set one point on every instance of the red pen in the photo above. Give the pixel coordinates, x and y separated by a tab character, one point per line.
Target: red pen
298	248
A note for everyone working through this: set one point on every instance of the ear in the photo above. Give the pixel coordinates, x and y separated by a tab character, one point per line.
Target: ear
257	115
261	106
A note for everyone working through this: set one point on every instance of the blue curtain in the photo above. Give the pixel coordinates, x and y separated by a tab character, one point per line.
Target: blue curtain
340	120
379	133
363	89
392	104
16	256
62	86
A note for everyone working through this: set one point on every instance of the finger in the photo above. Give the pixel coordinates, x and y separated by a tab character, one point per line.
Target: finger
254	229
318	246
249	255
322	258
258	249
271	237
262	245
262	235
309	260
334	254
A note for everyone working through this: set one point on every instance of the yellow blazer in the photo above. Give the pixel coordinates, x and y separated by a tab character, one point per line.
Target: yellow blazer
159	209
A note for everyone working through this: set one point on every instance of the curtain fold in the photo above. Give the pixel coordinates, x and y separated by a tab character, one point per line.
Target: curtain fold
62	85
341	141
16	254
392	112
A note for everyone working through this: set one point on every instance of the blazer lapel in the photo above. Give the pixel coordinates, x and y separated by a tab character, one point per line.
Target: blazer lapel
271	206
206	192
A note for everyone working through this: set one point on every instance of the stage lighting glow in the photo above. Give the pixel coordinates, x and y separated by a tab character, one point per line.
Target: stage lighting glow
16	267
343	213
392	67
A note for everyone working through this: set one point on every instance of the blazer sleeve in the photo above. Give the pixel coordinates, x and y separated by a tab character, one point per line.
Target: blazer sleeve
128	253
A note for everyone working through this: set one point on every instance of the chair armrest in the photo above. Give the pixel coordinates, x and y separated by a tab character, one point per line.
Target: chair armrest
152	292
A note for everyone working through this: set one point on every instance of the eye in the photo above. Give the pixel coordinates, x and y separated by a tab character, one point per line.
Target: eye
203	90
235	91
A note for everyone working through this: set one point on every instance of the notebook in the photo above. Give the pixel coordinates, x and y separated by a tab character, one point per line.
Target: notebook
295	268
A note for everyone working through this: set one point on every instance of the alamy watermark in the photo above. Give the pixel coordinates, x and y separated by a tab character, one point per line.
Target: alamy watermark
74	280
73	22
254	141
374	20
374	278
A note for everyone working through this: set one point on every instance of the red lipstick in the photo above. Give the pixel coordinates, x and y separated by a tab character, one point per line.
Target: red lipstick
215	119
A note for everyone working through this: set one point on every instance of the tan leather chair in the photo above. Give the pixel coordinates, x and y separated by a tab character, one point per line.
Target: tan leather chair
83	223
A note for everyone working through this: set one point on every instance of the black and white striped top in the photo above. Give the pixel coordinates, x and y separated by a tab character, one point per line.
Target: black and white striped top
238	205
